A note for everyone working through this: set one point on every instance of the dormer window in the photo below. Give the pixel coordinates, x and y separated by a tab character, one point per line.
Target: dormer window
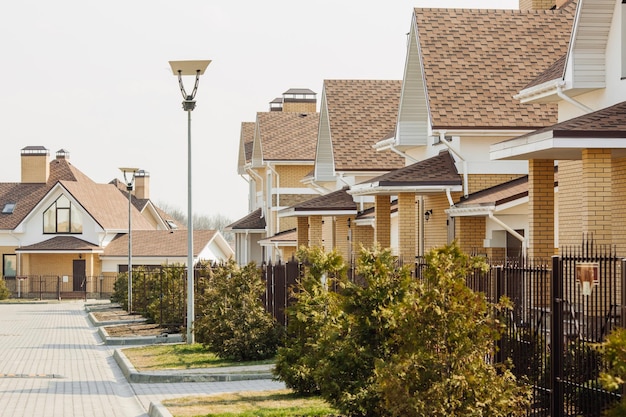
8	208
62	217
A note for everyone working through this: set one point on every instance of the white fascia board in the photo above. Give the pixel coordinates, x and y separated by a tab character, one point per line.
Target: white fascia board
364	222
40	251
281	162
539	92
294	213
545	142
375	189
286	190
384	144
477	211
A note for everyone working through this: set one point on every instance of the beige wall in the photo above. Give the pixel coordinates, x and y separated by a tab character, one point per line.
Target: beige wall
470	233
436	228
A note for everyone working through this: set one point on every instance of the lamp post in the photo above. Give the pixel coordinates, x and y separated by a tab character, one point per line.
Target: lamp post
193	68
129	179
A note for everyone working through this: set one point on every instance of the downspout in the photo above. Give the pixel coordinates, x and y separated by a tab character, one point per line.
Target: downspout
561	94
511	231
442	139
19	255
254	174
267	164
449	197
421	226
245	249
403	154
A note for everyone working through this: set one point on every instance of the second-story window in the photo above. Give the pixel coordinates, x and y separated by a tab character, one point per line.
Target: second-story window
62	217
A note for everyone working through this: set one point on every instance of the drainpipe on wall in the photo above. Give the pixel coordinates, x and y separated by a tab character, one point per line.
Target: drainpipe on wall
442	139
421	226
19	255
403	154
561	94
450	201
260	178
511	231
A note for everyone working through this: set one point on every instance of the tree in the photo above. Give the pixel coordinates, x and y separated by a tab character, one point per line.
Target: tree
233	322
444	332
613	351
314	305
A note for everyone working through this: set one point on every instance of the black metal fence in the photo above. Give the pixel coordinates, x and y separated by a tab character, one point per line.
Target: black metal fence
56	287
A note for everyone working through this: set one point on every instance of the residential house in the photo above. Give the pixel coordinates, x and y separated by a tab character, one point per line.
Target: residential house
588	144
462	71
354	115
276	152
58	222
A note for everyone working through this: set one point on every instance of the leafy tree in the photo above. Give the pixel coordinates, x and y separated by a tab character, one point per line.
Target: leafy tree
362	334
233	322
444	333
313	307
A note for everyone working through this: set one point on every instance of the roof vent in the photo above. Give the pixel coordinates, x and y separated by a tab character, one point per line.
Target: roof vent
63	154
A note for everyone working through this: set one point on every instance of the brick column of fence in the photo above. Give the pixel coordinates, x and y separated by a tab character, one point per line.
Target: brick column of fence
541	208
382	230
597	194
315	231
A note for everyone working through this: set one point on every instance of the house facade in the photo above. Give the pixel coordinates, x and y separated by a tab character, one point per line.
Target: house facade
58	222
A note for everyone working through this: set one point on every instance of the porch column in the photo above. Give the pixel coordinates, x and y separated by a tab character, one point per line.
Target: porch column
303	232
341	232
382	211
407	230
597	194
315	231
541	208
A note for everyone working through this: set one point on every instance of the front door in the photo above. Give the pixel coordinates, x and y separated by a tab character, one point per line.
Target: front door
79	275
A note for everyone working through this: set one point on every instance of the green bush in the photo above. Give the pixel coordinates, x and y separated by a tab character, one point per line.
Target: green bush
166	299
232	321
4	291
120	290
613	352
313	307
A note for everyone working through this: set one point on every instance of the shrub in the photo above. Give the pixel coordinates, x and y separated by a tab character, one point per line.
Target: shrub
120	290
613	351
313	307
233	322
4	291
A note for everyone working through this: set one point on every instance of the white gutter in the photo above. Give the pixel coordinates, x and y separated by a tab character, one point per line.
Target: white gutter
254	174
561	94
277	193
449	197
511	231
389	144
442	139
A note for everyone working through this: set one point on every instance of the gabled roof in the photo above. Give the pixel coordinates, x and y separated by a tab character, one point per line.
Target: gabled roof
335	203
434	174
603	129
286	136
159	243
284	238
246	139
61	244
252	221
355	115
475	61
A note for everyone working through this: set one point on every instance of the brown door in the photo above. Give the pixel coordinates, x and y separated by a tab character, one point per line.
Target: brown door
79	275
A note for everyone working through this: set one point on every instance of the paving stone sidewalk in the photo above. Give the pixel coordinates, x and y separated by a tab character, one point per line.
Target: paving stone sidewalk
54	363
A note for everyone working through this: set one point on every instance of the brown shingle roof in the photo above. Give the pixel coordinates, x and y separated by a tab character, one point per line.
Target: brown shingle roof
161	243
475	61
247	135
288	136
361	113
554	72
337	200
498	194
438	170
252	221
61	243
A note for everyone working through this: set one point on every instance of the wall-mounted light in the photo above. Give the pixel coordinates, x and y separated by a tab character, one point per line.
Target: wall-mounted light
427	214
349	222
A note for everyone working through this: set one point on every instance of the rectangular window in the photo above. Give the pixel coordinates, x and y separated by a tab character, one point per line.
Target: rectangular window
9	266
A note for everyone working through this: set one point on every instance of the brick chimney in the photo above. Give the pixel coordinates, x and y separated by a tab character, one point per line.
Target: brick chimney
142	184
525	5
276	104
35	165
299	100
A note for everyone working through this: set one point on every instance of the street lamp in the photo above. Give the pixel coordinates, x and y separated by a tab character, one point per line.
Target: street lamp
193	68
129	179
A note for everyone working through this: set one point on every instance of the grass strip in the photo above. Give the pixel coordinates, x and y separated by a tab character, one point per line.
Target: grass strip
279	403
178	356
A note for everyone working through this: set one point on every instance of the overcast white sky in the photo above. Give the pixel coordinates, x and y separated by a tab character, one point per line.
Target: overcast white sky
92	77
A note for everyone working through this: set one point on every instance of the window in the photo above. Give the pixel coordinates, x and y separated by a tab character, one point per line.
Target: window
62	217
9	266
8	208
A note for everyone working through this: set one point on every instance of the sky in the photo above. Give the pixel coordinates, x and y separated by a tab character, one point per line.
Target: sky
92	77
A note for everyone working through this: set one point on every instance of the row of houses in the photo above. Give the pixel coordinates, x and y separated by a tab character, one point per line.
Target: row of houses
507	133
58	222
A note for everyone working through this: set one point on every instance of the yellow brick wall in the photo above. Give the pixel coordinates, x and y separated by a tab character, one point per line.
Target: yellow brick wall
407	226
299	107
316	231
382	232
303	231
362	236
619	205
288	223
328	233
541	208
342	244
477	182
570	203
436	228
35	168
292	175
536	4
470	234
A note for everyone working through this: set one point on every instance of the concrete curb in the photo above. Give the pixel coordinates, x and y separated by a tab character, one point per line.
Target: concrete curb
158	410
138	340
197	375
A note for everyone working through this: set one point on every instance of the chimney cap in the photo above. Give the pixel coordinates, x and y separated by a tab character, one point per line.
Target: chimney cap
35	150
63	154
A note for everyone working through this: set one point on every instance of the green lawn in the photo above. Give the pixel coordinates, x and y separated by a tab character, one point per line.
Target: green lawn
178	356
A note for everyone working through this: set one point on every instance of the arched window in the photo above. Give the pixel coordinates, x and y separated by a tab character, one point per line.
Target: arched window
62	217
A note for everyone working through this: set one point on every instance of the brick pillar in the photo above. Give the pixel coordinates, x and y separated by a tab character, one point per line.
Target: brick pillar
315	231
407	226
597	194
541	208
341	235
362	236
303	231
382	230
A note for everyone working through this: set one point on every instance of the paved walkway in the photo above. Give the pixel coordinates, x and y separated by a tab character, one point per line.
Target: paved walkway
53	363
